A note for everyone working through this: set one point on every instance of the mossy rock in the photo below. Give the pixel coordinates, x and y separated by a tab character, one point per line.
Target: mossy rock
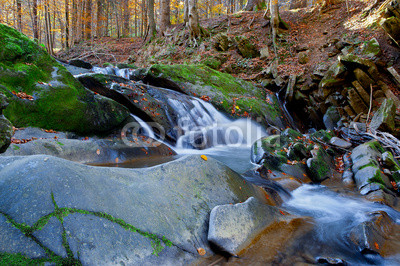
371	49
58	100
246	48
230	95
320	166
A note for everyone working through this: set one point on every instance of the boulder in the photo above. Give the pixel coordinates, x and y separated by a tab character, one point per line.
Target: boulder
80	63
6	128
93	151
233	227
383	119
331	118
303	57
147	216
391	26
264	53
320	166
42	93
379	234
333	77
246	48
341	143
225	91
371	49
222	42
363	79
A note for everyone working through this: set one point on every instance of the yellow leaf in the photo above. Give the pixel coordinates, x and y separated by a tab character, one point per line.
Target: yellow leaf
98	152
237	107
204	157
116	160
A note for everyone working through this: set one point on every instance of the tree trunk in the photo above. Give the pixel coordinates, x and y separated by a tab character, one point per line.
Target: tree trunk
274	9
186	12
253	4
127	16
66	24
194	25
19	15
88	19
35	20
152	23
100	18
165	15
48	36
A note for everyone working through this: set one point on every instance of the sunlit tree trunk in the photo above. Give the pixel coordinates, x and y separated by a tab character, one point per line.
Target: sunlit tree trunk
35	19
152	22
253	4
274	9
48	34
88	19
165	15
194	24
186	12
19	14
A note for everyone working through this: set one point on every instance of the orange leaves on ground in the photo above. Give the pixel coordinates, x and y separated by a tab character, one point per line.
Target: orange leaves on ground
376	245
205	98
49	131
204	157
21	141
23	95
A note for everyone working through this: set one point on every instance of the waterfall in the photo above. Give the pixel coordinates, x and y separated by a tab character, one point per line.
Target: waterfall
147	130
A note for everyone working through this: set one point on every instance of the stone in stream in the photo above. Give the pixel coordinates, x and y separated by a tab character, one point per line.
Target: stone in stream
225	91
6	128
233	227
93	151
341	143
114	215
320	165
80	63
378	234
366	167
46	95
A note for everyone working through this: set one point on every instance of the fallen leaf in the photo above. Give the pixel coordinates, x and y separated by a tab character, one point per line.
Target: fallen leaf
116	160
201	251
204	157
376	245
98	152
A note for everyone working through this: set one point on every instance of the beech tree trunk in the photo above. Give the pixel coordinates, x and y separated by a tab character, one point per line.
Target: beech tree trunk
186	12
251	5
194	25
126	12
164	16
152	22
274	9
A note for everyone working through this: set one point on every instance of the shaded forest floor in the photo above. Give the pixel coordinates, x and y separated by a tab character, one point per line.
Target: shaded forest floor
310	29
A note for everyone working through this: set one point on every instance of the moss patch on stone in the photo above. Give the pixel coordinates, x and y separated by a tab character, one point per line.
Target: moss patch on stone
59	101
231	95
158	243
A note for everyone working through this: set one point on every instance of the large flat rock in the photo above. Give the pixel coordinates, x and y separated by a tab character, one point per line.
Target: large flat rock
116	215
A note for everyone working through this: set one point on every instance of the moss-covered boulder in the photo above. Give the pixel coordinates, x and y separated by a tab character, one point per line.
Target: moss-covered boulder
384	118
231	95
42	93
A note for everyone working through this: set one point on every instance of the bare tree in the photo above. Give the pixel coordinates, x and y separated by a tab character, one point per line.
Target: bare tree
19	14
274	9
88	18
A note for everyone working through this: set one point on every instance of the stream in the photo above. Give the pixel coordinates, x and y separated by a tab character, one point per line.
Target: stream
334	215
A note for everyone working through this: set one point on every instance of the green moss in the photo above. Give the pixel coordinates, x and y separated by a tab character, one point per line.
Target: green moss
212	63
375	145
59	102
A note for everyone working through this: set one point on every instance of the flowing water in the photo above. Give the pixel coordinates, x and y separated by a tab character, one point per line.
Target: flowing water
229	141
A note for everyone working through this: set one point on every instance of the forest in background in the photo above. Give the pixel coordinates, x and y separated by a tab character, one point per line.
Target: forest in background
59	24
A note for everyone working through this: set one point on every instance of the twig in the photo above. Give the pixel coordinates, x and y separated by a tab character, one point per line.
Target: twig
251	22
370	107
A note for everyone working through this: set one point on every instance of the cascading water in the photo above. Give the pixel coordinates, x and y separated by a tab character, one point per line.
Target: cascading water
334	216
